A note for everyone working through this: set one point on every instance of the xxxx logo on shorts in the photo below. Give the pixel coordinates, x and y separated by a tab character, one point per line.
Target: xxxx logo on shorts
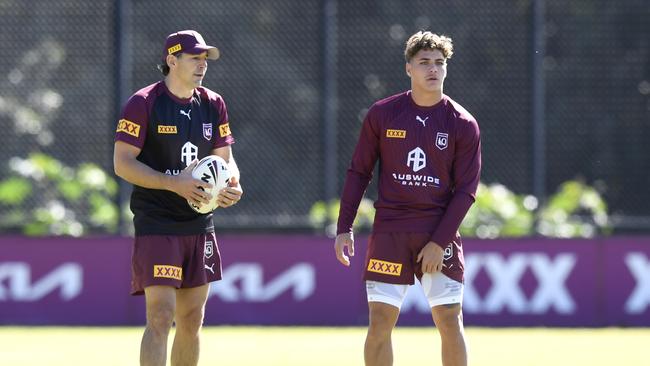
165	271
383	267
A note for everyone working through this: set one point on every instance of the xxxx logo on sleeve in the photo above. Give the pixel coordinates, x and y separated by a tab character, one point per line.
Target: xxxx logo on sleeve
383	267
124	125
224	129
166	271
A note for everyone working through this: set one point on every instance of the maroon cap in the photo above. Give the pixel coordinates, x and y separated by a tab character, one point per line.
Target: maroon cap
188	41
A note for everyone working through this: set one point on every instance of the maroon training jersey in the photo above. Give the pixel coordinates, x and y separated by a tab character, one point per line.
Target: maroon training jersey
429	167
171	132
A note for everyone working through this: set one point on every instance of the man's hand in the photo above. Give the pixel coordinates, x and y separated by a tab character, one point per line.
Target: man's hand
230	195
190	188
431	256
344	240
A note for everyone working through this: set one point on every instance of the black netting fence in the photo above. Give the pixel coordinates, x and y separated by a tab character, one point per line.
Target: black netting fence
598	101
60	86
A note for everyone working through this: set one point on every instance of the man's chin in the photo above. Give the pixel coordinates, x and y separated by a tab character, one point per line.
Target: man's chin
434	88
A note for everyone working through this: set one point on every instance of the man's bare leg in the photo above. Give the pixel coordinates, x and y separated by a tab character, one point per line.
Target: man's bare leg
190	307
379	348
160	301
449	321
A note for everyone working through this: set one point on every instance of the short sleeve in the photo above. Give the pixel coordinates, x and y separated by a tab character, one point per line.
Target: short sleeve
132	125
224	137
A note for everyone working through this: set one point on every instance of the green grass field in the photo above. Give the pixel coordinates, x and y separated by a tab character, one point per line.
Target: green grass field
241	346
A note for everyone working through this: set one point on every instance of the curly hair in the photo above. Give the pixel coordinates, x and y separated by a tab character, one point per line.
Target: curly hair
164	69
425	40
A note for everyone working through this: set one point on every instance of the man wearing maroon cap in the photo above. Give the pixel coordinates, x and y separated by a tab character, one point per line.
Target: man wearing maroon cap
429	152
164	129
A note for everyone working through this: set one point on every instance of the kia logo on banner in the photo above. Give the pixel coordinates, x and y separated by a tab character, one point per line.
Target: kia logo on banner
508	282
300	279
16	282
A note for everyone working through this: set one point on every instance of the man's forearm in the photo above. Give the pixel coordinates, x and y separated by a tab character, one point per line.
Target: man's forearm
234	169
353	190
453	217
139	174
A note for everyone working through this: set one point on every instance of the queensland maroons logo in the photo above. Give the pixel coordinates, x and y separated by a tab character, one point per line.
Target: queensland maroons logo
207	131
209	249
442	140
449	251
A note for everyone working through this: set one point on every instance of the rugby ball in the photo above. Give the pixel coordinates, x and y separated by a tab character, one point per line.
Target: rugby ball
214	170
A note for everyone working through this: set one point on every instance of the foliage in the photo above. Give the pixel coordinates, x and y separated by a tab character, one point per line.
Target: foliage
575	210
498	212
322	215
42	196
14	190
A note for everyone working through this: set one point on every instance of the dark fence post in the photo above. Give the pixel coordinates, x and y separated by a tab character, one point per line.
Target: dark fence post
122	64
538	101
329	100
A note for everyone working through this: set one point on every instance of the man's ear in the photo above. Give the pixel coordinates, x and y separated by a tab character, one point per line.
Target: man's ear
408	69
171	60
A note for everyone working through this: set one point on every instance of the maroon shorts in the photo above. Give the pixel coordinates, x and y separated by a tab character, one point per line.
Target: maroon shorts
176	261
392	258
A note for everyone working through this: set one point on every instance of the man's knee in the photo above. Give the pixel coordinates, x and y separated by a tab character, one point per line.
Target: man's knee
448	318
160	317
382	319
190	320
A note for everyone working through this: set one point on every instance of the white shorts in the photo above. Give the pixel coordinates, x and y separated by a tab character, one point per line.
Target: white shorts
438	289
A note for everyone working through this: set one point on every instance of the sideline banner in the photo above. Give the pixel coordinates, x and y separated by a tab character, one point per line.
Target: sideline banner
296	280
